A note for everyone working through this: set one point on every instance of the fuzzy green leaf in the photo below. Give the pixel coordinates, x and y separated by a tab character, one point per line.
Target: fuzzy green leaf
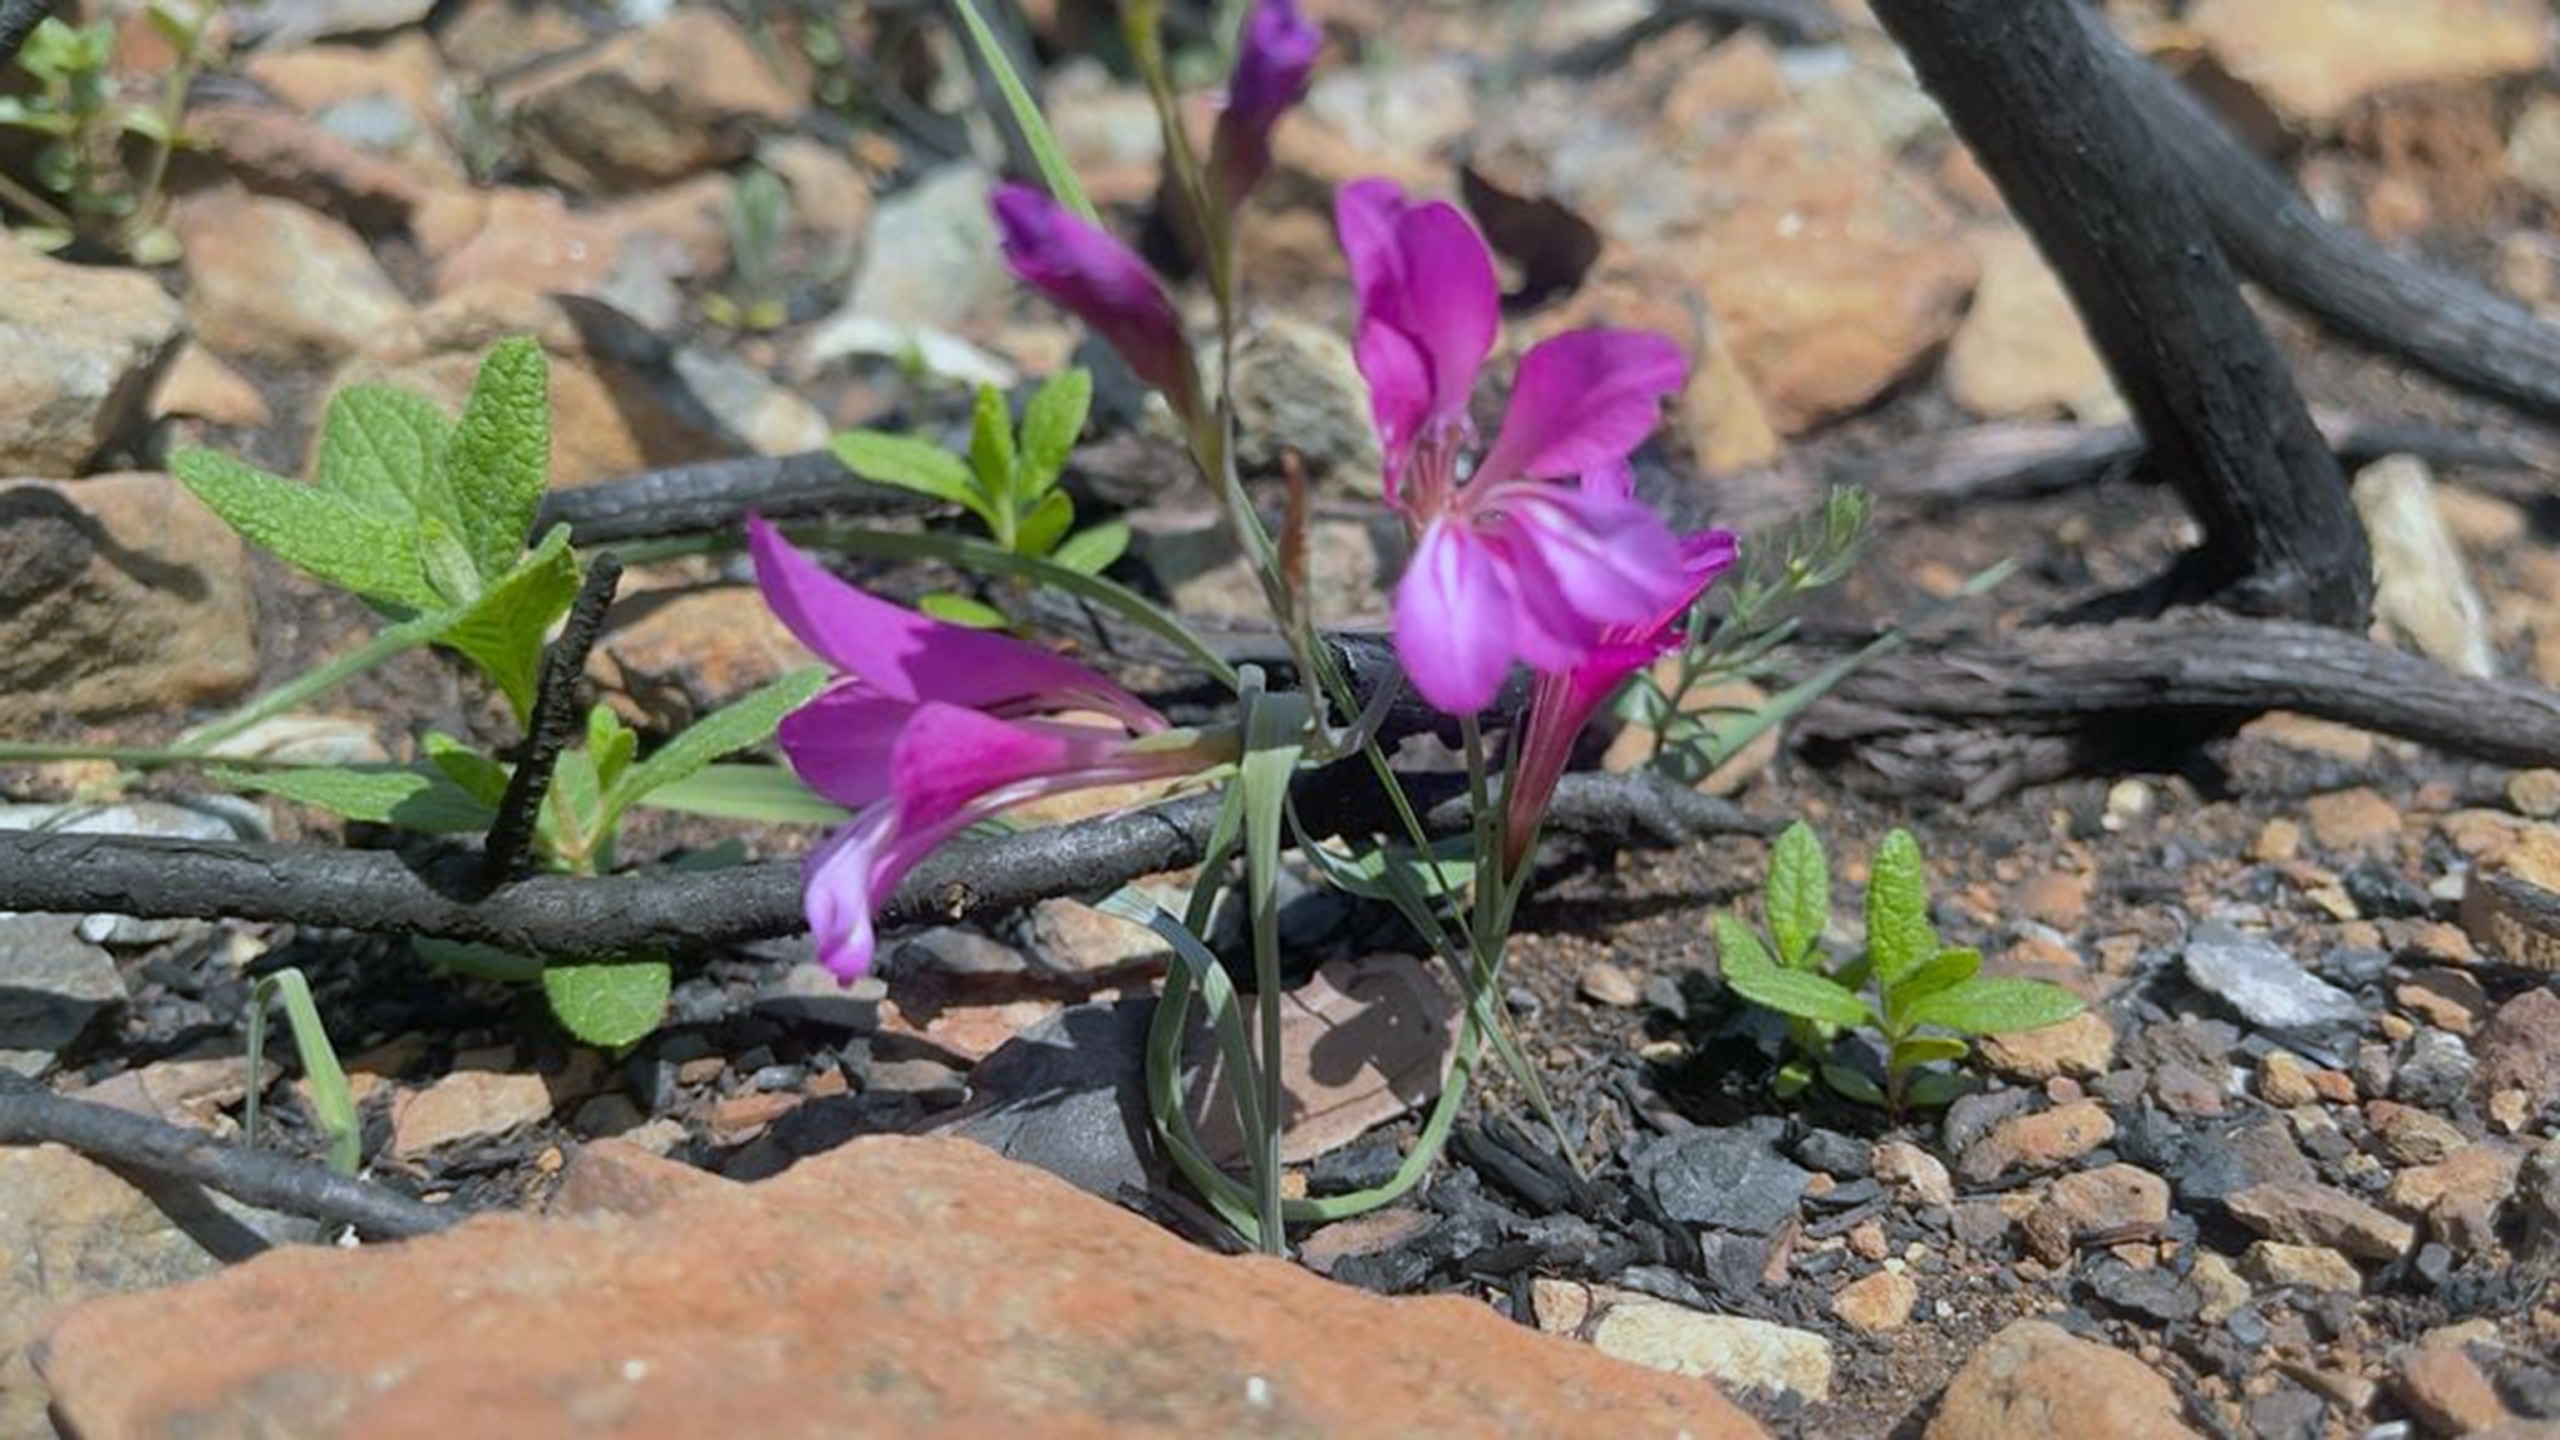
480	777
767	794
502	631
1092	551
1798	895
1051	424
1045	524
1997	1007
991	448
499	460
1921	1049
958	609
335	538
1762	981
1947	970
1898	931
911	464
610	1003
424	800
748	720
384	450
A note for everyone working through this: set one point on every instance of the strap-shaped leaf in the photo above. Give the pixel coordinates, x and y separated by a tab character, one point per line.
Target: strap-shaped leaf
1798	895
499	460
1997	1007
1898	931
911	464
1762	981
748	720
369	552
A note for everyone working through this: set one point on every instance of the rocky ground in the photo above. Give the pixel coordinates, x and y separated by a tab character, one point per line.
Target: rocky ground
2293	1174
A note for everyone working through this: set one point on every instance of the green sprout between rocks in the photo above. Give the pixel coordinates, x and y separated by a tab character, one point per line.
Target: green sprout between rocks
98	176
1921	997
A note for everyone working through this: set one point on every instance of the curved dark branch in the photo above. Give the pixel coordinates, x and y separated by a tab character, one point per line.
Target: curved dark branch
2454	330
32	1115
570	917
2029	86
691	499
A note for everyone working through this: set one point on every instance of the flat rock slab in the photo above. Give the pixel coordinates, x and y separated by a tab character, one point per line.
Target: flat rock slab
895	1286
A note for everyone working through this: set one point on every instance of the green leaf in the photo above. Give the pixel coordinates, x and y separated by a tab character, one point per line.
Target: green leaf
499	460
1055	172
911	464
331	536
1051	425
577	828
1038	531
332	1102
1092	551
424	800
384	450
502	631
611	742
1798	895
1997	1007
1756	978
1856	1084
482	778
991	448
610	1003
1898	931
767	794
1922	1049
1947	970
748	720
961	609
450	568
1936	1088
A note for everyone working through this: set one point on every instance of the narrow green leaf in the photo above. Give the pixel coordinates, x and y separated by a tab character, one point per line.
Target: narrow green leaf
1094	550
748	720
384	450
991	448
1997	1007
1762	981
962	610
766	794
1922	1049
911	464
1856	1084
502	632
1898	931
1945	971
609	1003
1045	524
365	551
333	1104
1055	172
1798	895
423	800
576	827
482	778
612	743
499	461
1051	425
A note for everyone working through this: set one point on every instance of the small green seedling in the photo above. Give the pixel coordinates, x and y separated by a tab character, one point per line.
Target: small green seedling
98	176
332	1102
758	218
1009	481
1923	997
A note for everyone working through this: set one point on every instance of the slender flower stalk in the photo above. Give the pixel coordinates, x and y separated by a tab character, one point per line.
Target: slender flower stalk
934	728
1508	564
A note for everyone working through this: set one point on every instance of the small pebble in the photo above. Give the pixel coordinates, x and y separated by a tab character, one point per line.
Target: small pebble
1604	983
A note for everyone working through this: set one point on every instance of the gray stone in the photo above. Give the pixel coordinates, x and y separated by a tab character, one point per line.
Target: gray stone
931	260
811	994
2257	978
1724	1179
1297	388
2436	1072
1736	1353
52	985
1069	1096
750	407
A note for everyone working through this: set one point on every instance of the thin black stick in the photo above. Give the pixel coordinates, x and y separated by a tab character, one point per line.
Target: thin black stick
2454	330
575	918
33	1115
554	721
2029	87
692	499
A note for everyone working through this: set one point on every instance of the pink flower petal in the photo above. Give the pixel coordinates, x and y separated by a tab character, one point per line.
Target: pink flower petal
839	743
1583	400
1423	271
1455	620
948	756
1610	561
1399	394
838	890
913	657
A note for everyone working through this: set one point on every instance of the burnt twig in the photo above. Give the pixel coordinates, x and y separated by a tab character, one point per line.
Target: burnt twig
33	1115
554	720
579	918
2029	86
690	499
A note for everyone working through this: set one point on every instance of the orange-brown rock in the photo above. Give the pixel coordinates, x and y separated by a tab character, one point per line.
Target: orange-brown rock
896	1286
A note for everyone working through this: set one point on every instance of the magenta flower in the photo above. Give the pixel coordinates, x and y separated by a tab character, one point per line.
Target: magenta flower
1103	283
933	728
1508	564
1275	55
1562	702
